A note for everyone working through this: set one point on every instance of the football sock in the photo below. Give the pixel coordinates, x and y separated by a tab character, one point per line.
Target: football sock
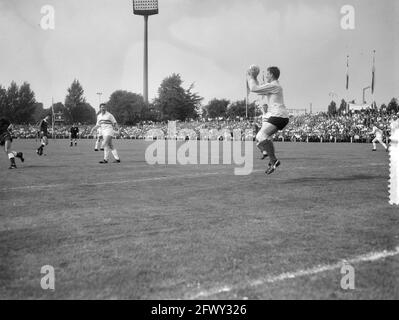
270	150
106	153
115	154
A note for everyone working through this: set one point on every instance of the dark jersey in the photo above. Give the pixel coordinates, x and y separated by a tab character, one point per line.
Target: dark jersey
4	124
44	126
74	131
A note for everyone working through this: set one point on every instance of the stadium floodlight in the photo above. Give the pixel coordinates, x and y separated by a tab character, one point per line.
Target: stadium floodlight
145	8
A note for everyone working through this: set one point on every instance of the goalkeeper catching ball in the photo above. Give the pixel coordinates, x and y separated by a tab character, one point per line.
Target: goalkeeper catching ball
276	117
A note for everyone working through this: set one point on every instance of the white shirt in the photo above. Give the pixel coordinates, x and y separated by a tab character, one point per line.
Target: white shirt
377	132
107	122
274	93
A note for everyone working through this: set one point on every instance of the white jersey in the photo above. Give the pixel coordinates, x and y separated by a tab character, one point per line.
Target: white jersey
377	132
274	93
107	122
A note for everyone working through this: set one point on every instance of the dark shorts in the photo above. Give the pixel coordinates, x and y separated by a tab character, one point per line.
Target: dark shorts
280	123
74	136
4	137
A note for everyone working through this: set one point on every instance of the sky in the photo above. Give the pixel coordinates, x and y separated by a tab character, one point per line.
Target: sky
210	43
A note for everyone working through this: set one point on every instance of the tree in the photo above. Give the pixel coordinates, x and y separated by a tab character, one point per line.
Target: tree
127	107
174	102
23	113
393	106
84	113
39	112
217	108
332	108
73	101
3	102
239	109
12	101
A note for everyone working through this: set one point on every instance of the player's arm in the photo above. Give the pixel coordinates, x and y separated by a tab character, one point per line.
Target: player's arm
115	125
264	89
94	128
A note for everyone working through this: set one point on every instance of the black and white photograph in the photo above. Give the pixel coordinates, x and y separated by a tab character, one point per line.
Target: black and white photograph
224	151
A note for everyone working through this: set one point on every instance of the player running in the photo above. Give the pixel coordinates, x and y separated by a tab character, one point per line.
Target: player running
6	141
43	129
277	114
74	134
107	122
378	138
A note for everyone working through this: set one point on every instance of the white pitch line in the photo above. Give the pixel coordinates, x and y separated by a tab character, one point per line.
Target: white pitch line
369	257
49	186
198	175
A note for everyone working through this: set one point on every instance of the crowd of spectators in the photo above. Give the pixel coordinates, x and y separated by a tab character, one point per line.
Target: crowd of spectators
319	127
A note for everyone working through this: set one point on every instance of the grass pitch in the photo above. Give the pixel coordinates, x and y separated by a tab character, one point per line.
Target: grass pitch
139	231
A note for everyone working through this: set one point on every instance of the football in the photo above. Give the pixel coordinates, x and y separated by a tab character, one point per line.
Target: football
254	70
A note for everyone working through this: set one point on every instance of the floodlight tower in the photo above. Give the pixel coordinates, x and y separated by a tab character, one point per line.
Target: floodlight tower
145	8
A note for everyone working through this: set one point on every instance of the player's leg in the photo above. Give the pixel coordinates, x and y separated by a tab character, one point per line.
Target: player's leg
273	125
12	154
44	142
102	143
71	144
261	136
382	143
107	148
374	144
39	150
97	144
266	143
114	152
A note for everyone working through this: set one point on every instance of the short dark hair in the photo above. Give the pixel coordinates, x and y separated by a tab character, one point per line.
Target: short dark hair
275	72
103	105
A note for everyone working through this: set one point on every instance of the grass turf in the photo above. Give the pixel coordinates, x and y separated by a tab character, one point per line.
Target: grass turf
139	231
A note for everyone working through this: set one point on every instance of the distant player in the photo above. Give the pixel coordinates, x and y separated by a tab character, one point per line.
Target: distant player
378	138
6	141
43	129
277	114
264	117
107	122
74	134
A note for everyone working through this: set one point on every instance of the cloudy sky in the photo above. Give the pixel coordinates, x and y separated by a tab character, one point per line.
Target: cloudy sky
208	42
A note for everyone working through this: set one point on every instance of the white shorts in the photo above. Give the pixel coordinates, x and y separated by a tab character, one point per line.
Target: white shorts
108	132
